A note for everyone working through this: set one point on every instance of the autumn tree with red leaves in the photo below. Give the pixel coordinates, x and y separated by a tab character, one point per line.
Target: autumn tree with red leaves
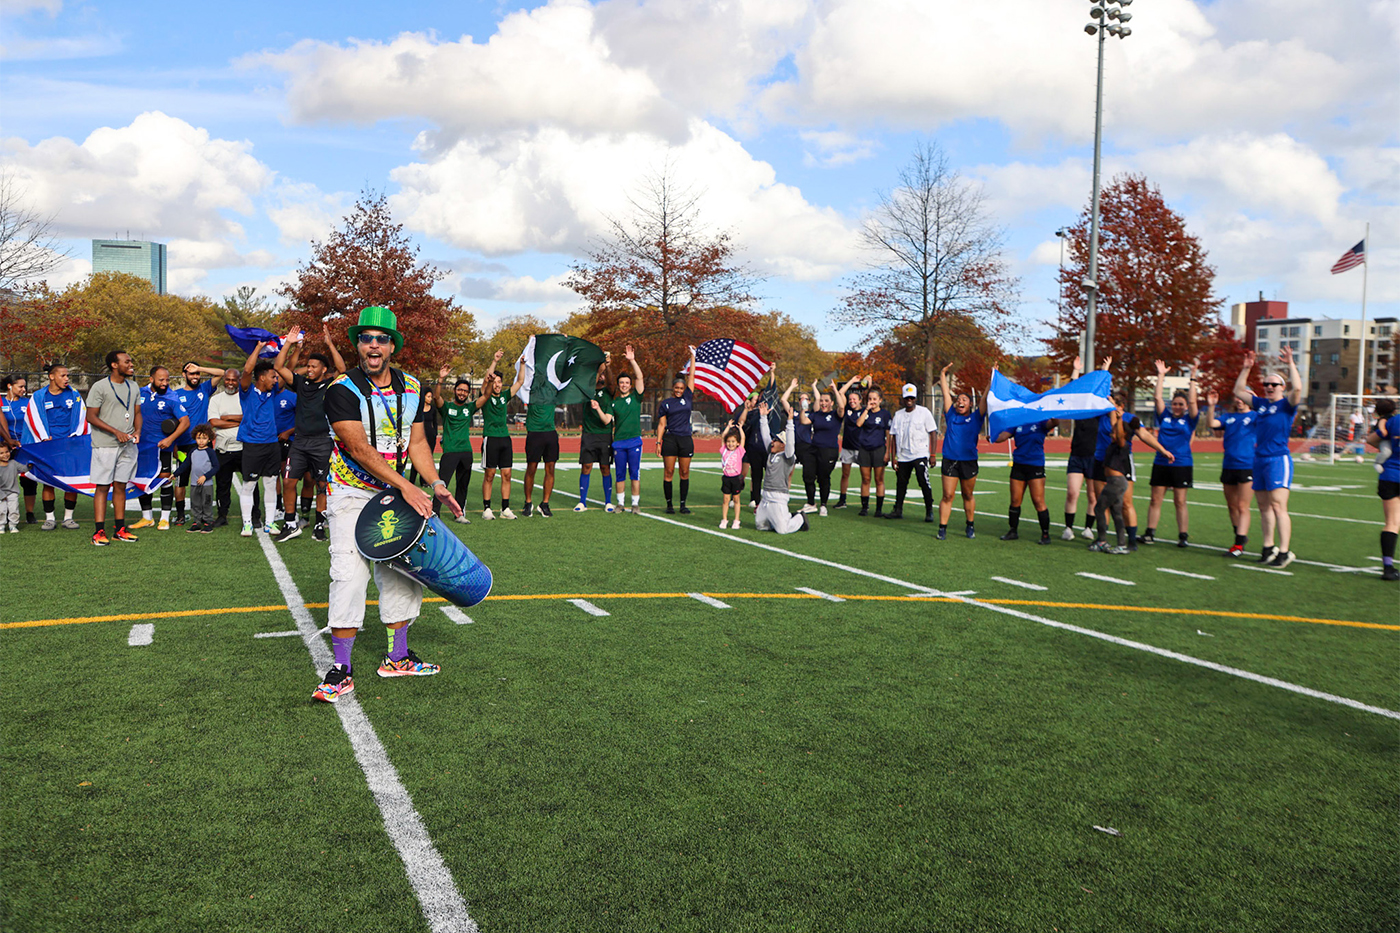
658	281
369	261
38	326
1222	355
936	261
901	358
1155	288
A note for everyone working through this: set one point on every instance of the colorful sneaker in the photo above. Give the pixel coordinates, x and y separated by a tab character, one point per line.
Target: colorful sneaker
100	539
1099	547
71	524
194	528
1282	559
207	528
410	666
1116	549
124	534
287	533
318	532
338	683
268	530
247	531
507	514
164	525
1236	550
1067	534
143	523
489	515
179	521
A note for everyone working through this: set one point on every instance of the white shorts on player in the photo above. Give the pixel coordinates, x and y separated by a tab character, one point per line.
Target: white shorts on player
400	597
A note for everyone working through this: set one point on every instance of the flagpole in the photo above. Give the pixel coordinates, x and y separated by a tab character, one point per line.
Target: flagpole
1361	369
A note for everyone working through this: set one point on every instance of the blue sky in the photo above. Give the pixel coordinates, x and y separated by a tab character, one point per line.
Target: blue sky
504	134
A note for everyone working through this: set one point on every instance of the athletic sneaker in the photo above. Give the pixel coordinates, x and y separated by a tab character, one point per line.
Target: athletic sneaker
863	512
971	531
1117	549
1011	536
488	515
580	508
1148	538
267	529
896	513
195	528
1268	554
609	508
840	503
247	531
822	511
1088	533
1044	539
100	538
507	514
164	525
1182	542
71	524
684	510
808	509
287	533
318	532
1283	559
928	518
1067	534
49	525
1390	573
208	529
544	510
670	510
735	524
338	683
636	510
462	519
178	520
1236	550
143	523
528	510
724	524
220	521
410	666
943	534
122	534
1099	547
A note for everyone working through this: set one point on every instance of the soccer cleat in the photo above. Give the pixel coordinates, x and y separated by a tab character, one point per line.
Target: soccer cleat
1282	559
1044	539
636	510
822	511
462	519
1236	550
609	508
1268	554
840	503
70	524
1148	538
100	539
1388	572
1182	542
507	514
338	683
943	534
544	510
247	531
48	525
684	510
164	525
143	523
1088	533
410	666
580	508
864	511
1067	534
287	533
670	510
1012	535
528	510
123	534
971	531
488	515
1117	549
318	532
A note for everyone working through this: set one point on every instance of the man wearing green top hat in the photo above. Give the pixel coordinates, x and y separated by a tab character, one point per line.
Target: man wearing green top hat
376	414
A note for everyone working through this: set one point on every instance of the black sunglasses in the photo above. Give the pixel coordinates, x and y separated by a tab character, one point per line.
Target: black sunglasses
1273	385
375	338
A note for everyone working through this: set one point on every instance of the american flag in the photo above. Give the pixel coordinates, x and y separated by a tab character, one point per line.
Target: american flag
728	370
1351	258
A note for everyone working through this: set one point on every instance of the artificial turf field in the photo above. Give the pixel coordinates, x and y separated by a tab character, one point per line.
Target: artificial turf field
893	761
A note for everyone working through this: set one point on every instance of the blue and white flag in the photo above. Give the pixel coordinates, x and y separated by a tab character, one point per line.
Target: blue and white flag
66	463
249	337
1010	406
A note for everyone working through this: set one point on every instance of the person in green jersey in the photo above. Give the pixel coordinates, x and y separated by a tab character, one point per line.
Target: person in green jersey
455	413
541	443
496	450
596	444
627	431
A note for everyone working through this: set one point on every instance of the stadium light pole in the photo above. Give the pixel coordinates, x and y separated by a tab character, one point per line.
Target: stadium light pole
1101	12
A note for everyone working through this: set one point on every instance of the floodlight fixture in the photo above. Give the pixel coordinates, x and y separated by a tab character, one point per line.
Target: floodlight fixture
1096	12
1090	28
1124	17
1124	32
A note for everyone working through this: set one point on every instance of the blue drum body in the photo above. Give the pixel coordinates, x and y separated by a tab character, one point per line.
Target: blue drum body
390	532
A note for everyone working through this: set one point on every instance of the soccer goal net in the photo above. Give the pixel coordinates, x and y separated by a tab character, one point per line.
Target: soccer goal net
1341	433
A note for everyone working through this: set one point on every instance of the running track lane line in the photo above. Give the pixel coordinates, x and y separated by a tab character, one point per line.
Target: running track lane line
442	905
1091	633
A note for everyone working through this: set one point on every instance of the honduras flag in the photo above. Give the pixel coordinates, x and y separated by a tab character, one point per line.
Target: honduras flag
249	337
66	464
1010	406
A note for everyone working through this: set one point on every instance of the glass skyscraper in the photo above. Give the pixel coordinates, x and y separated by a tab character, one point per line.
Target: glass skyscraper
137	257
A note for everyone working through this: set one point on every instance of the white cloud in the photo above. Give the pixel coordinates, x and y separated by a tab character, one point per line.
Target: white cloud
18	7
302	212
524	288
834	148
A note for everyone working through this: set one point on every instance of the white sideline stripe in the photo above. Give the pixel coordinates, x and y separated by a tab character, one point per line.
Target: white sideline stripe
277	634
827	596
589	608
1356	570
1183	573
1102	636
1281	573
1296	560
1095	576
141	634
1021	583
442	905
456	615
962	593
709	600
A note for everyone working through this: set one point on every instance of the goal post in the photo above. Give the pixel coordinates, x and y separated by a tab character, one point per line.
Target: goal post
1342	435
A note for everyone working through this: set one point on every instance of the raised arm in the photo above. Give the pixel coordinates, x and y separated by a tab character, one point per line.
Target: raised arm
286	362
1077	369
1193	407
690	372
1295	393
247	378
841	392
1157	401
440	396
640	383
336	358
1242	390
1212	397
787	405
488	379
519	376
943	387
764	432
982	403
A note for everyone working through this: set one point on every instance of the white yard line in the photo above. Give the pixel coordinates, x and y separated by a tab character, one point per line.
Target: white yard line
1096	576
1183	573
812	592
142	633
589	608
442	905
1281	573
1021	583
456	615
709	600
277	634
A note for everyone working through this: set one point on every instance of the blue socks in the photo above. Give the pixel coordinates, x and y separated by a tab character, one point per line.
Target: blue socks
607	489
583	487
341	647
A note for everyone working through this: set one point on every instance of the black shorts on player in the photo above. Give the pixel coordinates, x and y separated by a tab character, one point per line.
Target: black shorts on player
870	458
673	445
595	448
1099	473
1084	465
1387	489
262	460
1237	478
1025	472
498	454
312	457
1173	476
960	469
731	485
542	445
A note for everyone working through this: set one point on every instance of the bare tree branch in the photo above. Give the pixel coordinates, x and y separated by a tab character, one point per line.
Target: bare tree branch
29	249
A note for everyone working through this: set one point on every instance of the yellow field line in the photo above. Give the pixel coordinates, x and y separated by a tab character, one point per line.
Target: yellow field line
1216	613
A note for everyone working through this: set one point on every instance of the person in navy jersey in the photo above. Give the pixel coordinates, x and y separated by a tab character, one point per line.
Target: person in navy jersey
1028	472
1273	467
1118	467
1079	471
194	394
824	428
1385	437
755	454
15	390
1237	468
873	426
674	437
1175	428
961	426
258	433
55	411
854	403
164	417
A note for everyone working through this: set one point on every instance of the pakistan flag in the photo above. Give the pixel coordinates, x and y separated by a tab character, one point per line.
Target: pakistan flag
559	370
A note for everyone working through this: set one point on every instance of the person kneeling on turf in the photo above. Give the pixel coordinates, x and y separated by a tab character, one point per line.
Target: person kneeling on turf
773	514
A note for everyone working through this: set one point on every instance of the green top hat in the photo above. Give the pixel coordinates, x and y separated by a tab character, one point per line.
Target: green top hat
377	318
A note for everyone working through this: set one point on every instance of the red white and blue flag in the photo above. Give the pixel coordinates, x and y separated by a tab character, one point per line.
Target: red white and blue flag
728	370
1351	258
246	338
66	463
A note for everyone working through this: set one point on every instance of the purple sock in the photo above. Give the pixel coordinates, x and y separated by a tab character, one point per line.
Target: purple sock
341	647
398	643
1388	561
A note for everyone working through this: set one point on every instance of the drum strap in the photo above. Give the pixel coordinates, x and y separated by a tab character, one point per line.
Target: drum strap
367	389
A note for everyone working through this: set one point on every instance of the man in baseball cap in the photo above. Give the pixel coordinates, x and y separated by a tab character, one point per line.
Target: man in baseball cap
911	441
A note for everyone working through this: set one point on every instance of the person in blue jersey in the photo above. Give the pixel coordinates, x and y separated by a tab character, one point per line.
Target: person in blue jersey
1237	468
962	424
1028	472
55	411
162	416
1123	426
1175	428
854	402
262	455
1273	466
284	419
824	448
873	427
674	438
1385	437
14	399
194	393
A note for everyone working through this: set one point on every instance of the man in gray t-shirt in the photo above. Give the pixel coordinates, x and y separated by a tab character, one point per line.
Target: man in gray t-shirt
773	514
114	413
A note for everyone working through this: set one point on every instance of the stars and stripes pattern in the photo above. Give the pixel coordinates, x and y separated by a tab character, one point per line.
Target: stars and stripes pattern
728	370
1351	258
